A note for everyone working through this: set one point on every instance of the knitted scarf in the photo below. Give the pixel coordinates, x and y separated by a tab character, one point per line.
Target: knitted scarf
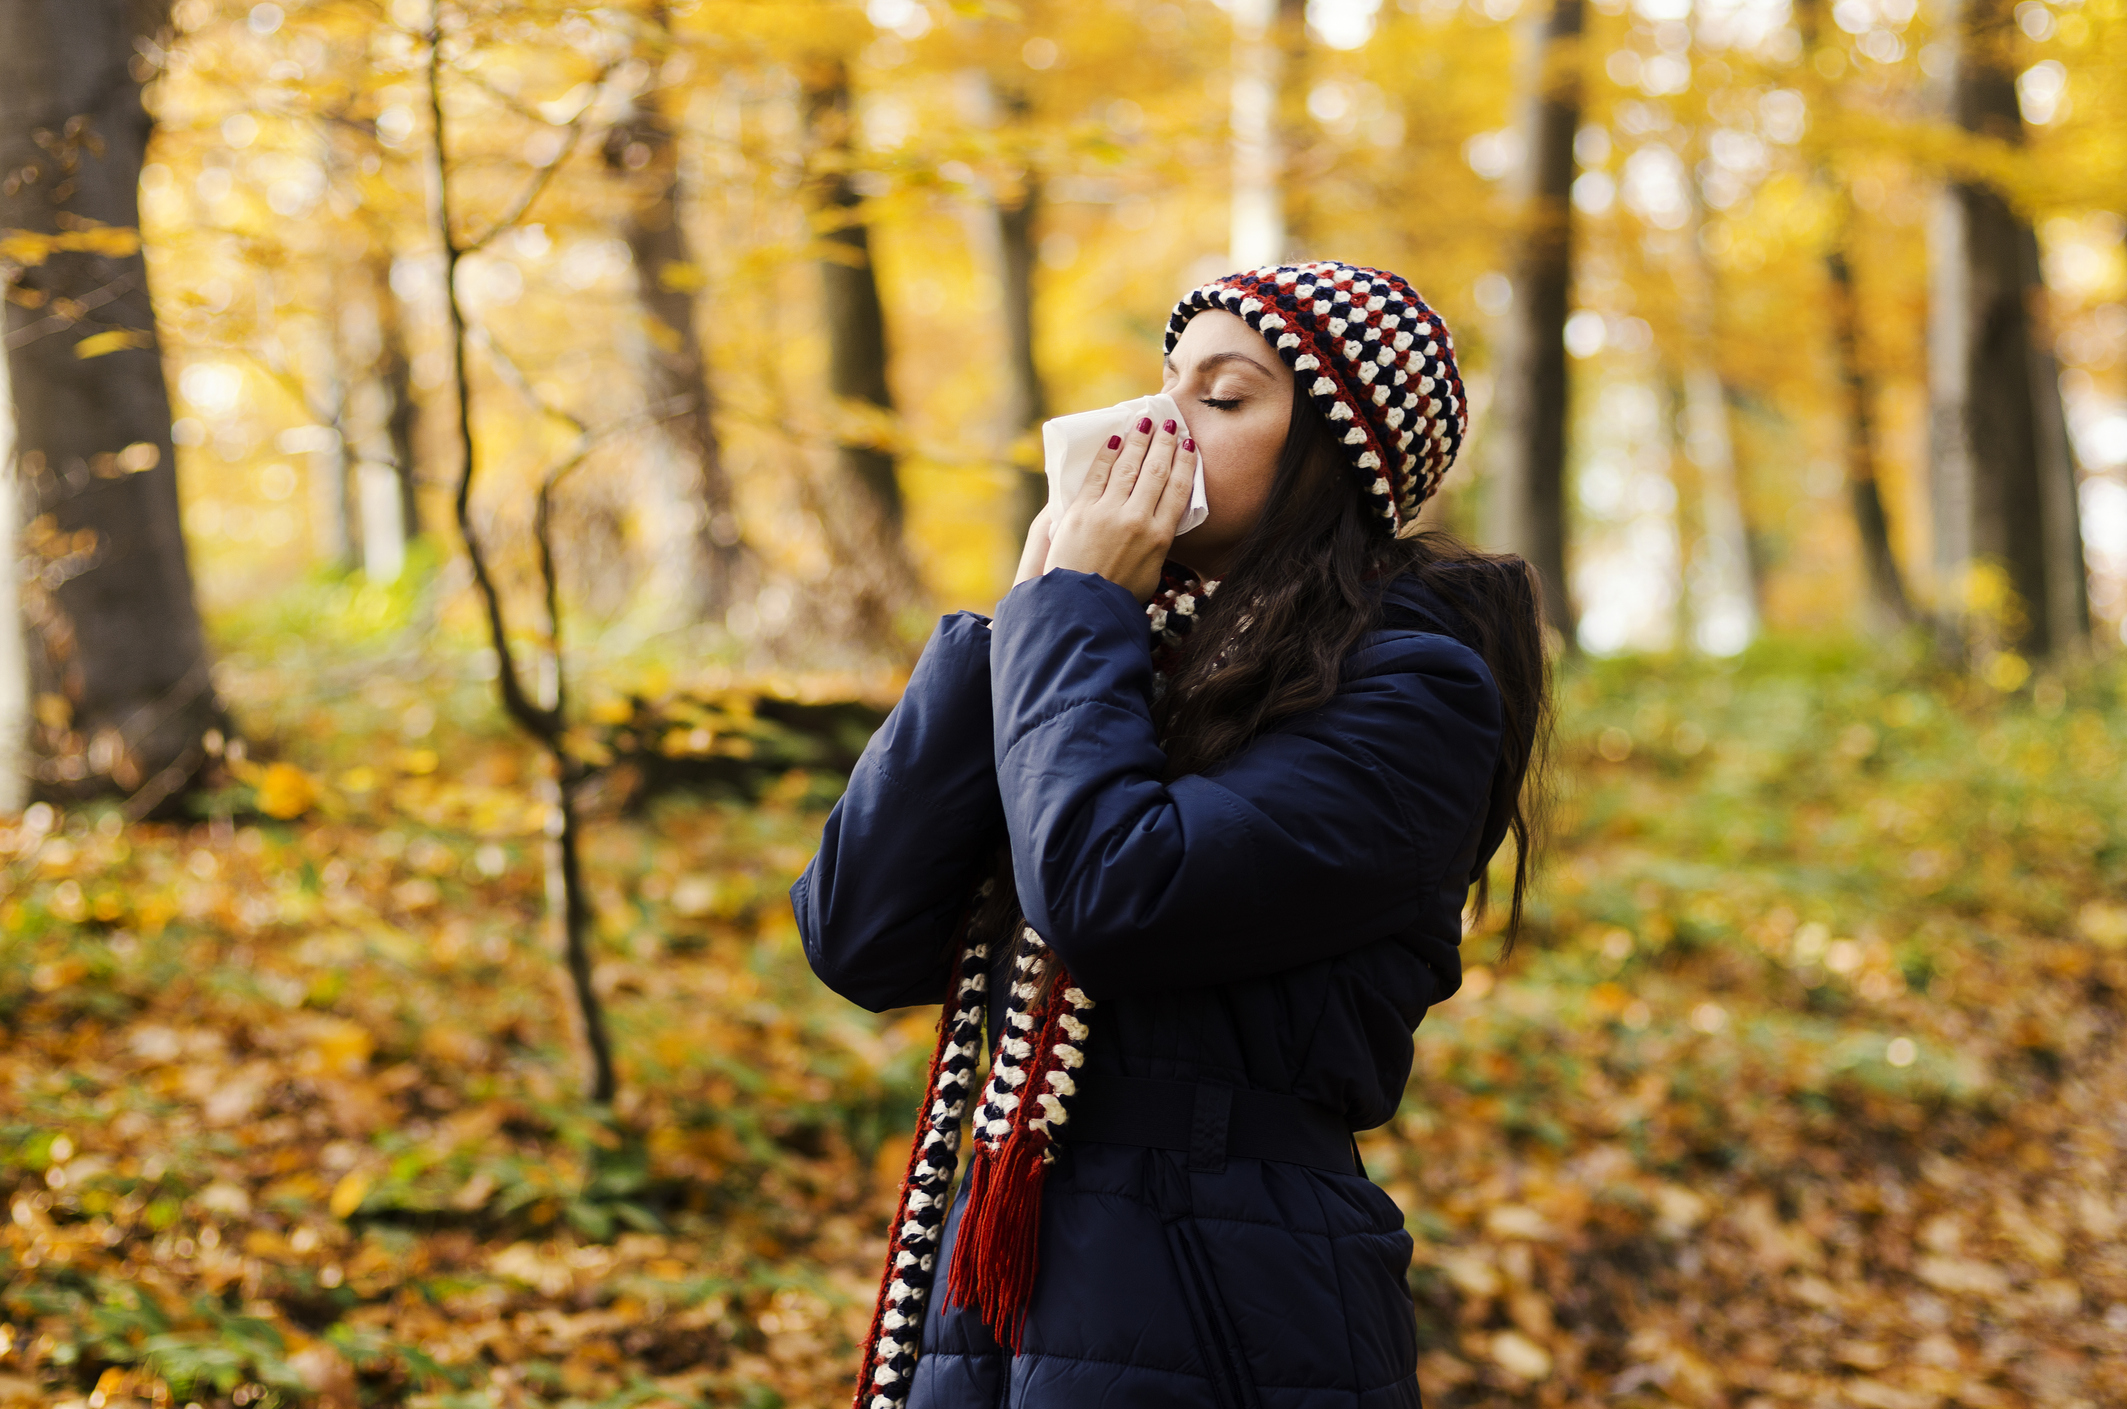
1024	1106
1173	612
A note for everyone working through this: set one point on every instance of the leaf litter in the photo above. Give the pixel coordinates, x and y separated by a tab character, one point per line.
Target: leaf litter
1803	1089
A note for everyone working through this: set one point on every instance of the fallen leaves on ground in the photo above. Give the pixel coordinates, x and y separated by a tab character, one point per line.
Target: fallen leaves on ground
1801	1090
1806	1089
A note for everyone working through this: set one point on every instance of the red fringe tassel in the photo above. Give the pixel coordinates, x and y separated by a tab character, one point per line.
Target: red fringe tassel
998	1249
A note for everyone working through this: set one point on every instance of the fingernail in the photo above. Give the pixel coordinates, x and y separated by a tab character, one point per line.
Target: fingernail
1144	425
1189	445
1167	426
1115	442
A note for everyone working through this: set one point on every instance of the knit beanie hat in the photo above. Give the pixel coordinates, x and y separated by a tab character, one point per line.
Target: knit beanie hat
1374	360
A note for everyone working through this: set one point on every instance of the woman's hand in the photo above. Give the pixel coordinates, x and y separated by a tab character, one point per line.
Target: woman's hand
1034	558
1122	523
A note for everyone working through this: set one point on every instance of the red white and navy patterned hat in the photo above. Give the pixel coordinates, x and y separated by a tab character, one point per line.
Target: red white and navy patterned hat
1375	361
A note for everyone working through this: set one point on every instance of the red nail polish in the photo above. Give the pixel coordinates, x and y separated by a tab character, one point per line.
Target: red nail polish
1115	442
1167	426
1144	425
1189	445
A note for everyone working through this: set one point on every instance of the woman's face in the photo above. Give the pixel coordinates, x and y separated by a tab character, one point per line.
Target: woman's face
1236	395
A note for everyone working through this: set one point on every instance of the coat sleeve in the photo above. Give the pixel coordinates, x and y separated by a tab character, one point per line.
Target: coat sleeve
1336	828
909	840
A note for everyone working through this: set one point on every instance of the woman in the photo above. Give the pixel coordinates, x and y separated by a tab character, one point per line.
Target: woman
1203	880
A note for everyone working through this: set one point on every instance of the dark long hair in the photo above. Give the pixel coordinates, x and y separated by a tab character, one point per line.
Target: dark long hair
1310	582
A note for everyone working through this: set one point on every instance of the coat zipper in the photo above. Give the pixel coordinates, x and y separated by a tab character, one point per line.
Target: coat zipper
1224	1360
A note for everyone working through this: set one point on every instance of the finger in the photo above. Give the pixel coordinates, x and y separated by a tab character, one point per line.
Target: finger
1158	468
1180	489
1035	555
1098	472
1130	460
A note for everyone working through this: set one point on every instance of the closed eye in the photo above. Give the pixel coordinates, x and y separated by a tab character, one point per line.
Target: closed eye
1217	403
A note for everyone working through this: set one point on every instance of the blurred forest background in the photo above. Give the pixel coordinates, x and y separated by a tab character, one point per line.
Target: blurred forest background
479	472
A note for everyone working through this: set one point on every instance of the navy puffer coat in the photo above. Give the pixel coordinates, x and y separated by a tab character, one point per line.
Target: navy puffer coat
1281	923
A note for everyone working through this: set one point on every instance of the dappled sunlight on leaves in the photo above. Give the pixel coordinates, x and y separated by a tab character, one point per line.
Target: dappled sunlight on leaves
291	1108
1764	1110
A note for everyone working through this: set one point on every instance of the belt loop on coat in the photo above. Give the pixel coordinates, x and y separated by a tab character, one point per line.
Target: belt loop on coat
1209	1119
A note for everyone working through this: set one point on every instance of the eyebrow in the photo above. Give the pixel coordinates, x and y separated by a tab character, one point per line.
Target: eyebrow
1207	363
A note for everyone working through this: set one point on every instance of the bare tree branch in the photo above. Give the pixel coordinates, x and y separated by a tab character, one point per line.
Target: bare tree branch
59	322
542	178
513	372
545	721
587	442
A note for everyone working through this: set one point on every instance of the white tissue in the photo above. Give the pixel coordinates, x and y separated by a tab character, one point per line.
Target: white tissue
1069	444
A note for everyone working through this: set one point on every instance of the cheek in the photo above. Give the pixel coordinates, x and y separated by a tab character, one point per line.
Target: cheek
1241	459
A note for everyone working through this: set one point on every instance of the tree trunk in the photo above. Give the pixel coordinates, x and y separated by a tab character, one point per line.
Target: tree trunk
875	576
333	505
118	658
1017	223
1257	215
336	477
1989	436
643	150
1303	162
1718	576
1529	411
2067	604
1888	605
1720	580
856	322
1687	516
15	761
395	376
377	417
1009	241
368	415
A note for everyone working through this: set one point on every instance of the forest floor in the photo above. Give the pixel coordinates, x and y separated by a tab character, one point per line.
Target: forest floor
1805	1086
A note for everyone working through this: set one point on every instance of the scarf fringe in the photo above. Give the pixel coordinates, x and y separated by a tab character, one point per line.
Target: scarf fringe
998	1248
1024	1106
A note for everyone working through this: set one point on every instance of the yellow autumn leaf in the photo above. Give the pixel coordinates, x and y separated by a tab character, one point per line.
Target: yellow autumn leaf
586	748
286	791
682	743
31	247
2103	924
662	335
113	340
682	277
1520	1356
116	241
347	1195
341	1048
2007	671
155	913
